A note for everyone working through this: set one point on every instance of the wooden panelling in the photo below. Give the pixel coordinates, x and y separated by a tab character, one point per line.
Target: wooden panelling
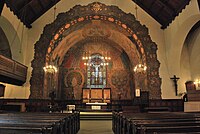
39	105
173	105
193	95
12	72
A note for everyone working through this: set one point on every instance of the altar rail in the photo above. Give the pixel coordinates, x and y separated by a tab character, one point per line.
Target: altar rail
173	105
42	105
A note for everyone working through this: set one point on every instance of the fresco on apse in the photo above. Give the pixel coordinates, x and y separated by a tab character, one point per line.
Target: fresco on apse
75	74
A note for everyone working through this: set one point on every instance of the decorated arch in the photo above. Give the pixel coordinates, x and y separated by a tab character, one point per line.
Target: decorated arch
96	24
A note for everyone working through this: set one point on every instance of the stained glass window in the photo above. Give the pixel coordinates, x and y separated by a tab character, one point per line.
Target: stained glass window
96	72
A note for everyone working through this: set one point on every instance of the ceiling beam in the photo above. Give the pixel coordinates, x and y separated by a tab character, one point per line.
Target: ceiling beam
21	11
16	6
151	5
166	4
139	3
2	2
23	14
41	4
52	3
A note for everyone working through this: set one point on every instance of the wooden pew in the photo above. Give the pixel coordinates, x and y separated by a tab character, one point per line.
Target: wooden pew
127	123
163	122
159	126
39	123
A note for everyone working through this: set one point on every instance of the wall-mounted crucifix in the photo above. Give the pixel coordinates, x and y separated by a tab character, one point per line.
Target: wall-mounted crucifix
175	79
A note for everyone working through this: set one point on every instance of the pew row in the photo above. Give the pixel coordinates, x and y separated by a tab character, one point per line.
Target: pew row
147	123
39	123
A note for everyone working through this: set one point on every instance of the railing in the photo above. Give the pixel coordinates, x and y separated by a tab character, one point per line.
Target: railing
40	105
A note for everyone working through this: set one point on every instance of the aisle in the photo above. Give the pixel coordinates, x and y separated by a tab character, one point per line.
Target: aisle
96	127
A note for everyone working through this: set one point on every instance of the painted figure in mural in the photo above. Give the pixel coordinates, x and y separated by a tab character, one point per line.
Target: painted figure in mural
74	84
96	69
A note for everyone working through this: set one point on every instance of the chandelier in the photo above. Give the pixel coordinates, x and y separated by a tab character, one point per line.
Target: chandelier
50	69
51	72
140	68
97	59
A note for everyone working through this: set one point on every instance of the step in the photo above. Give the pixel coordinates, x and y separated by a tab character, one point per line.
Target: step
95	116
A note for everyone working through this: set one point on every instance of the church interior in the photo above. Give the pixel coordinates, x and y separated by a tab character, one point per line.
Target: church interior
106	66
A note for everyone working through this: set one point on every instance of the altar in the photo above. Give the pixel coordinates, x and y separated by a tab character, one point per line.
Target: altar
96	106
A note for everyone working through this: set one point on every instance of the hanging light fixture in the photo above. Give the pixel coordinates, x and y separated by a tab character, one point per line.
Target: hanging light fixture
50	69
105	59
86	56
140	68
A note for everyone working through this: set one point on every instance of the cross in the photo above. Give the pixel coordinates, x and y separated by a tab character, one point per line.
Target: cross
175	79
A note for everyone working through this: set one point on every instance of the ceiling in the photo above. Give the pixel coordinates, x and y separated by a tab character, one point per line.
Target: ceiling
163	11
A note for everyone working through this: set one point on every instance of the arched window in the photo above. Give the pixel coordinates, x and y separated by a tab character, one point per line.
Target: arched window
96	71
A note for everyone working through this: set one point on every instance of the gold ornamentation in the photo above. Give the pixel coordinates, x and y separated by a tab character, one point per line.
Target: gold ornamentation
67	25
96	30
96	7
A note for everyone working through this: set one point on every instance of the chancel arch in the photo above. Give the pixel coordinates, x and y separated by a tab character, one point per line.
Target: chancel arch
108	26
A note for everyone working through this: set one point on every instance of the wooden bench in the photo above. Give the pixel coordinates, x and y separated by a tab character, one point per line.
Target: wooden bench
157	109
39	123
163	122
127	123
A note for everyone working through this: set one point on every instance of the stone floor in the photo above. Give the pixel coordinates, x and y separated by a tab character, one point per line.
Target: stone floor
96	127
